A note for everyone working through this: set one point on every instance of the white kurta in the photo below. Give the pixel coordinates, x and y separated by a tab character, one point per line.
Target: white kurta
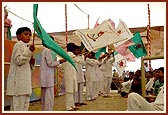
79	64
47	68
47	78
80	78
136	102
90	74
106	69
70	75
149	85
126	86
19	77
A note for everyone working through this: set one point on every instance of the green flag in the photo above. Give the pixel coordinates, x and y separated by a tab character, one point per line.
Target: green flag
98	53
138	48
47	40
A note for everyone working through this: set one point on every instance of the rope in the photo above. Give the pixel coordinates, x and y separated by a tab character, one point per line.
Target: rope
18	16
149	36
66	32
84	13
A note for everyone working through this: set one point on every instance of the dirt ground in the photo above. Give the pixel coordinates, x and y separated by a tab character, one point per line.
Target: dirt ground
114	103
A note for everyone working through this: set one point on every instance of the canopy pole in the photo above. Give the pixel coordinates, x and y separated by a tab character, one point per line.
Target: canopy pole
66	32
149	36
88	21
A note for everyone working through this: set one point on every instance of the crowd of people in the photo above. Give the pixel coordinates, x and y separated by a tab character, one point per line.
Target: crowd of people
98	78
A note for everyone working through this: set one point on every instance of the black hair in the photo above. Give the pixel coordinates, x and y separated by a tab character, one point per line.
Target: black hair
22	29
76	47
161	69
92	53
70	47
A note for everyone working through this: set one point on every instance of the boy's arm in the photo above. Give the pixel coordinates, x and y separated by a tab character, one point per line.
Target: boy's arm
20	55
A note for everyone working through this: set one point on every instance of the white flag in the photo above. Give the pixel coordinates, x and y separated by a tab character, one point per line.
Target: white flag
99	37
124	31
119	63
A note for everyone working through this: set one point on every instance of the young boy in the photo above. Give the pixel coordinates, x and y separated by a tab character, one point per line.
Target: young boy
80	76
47	76
19	85
70	79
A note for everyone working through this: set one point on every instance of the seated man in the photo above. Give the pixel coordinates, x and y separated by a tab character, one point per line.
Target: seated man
136	102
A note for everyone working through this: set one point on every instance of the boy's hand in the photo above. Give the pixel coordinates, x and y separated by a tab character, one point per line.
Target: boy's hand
32	61
32	48
62	61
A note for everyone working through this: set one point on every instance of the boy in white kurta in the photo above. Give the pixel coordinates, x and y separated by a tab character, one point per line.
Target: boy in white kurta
106	68
19	84
90	74
70	79
80	76
47	78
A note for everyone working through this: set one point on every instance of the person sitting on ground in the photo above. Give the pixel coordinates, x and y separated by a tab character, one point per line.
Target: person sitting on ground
136	102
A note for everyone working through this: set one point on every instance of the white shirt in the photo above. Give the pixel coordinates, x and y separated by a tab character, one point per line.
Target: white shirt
20	73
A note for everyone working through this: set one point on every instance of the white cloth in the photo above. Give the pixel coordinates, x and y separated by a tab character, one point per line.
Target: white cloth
126	86
136	102
90	72
70	103
20	103
79	64
47	68
79	94
19	77
80	78
149	85
47	98
69	74
106	67
91	79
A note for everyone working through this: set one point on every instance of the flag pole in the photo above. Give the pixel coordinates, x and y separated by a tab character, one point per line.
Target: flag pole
33	37
66	32
148	36
88	21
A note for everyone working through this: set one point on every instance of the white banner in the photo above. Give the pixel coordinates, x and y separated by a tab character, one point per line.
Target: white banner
101	36
119	63
124	31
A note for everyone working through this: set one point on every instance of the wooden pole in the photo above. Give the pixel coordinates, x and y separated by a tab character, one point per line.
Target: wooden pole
149	36
66	32
88	21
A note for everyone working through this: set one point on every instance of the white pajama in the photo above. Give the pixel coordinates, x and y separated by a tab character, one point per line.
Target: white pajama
47	98
107	85
70	101
79	94
20	103
136	102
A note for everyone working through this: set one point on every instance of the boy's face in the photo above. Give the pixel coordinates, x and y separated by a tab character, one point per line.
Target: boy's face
160	74
77	51
25	36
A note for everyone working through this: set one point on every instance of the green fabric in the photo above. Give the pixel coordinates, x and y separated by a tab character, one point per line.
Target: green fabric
47	40
53	55
9	37
138	48
157	86
97	55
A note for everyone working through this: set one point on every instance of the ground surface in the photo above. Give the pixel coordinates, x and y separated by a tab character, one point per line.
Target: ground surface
115	103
